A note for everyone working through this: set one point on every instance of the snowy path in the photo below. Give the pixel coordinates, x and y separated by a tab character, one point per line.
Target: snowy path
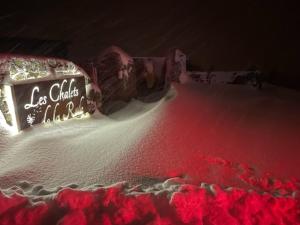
196	131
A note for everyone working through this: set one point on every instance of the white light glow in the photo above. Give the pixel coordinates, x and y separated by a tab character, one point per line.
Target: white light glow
9	99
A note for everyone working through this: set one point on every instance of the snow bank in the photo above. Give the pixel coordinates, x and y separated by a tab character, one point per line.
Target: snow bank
169	202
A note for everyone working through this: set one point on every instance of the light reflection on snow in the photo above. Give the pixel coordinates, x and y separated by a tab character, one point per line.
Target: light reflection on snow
185	135
77	150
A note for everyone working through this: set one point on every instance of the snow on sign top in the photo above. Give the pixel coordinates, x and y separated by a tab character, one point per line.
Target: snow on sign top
17	69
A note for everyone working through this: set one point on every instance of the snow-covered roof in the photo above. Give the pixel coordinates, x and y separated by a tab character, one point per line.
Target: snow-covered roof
16	69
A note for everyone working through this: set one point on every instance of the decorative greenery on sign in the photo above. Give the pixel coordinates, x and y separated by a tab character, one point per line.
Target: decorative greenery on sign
32	68
23	69
4	107
3	69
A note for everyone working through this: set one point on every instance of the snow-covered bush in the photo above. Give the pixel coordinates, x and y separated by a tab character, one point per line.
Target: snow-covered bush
115	77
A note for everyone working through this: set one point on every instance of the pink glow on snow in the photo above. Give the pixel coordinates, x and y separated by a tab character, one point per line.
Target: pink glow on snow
189	204
217	134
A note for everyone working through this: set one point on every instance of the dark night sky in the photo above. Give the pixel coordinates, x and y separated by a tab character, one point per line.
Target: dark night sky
229	34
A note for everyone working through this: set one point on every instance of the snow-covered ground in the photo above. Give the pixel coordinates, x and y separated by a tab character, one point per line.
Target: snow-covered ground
244	143
206	133
76	151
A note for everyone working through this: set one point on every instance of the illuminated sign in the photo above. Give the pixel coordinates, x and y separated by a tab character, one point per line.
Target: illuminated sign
52	100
